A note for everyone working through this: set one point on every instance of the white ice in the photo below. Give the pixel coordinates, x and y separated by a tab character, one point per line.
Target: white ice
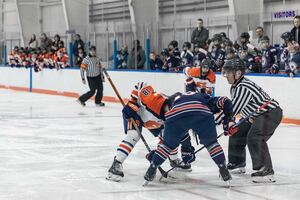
51	148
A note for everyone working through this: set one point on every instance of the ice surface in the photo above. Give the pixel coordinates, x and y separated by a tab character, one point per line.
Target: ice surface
51	148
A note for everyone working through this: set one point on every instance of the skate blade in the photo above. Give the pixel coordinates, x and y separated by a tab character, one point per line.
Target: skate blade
145	184
228	183
112	177
238	171
178	169
265	179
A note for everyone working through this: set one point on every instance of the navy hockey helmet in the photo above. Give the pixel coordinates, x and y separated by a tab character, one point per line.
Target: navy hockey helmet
265	39
233	66
245	35
287	36
165	52
92	48
223	34
187	45
217	37
173	43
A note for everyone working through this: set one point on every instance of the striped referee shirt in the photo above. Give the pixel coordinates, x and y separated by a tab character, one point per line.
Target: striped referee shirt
92	66
247	97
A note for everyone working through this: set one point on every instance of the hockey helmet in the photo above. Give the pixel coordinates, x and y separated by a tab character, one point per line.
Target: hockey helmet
265	39
245	35
217	37
205	65
233	66
186	45
165	52
287	36
173	43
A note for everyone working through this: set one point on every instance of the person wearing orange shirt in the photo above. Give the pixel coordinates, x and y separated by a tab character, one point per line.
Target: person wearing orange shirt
200	79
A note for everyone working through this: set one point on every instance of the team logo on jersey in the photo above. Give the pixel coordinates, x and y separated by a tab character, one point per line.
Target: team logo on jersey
146	91
293	66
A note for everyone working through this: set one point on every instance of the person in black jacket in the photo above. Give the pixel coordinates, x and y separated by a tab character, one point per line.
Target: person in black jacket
200	35
78	44
296	30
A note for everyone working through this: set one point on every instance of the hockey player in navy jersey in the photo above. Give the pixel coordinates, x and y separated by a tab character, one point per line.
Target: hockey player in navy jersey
216	52
147	107
187	57
249	60
293	60
283	53
173	60
269	57
194	111
199	55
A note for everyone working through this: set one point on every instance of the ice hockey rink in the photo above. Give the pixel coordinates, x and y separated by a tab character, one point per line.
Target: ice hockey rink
52	148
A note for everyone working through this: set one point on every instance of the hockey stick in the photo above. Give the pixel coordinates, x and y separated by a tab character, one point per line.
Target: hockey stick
131	120
234	126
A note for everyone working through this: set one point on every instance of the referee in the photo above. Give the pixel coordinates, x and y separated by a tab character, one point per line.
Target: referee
247	97
92	66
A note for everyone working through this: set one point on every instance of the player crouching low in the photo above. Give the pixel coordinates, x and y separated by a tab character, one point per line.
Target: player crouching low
194	111
147	108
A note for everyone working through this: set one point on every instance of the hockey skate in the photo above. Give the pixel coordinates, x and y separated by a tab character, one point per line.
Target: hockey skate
115	172
80	102
224	173
179	165
237	169
150	174
263	176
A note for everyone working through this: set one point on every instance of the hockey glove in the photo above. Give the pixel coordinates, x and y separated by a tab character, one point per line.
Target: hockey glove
188	155
130	109
229	126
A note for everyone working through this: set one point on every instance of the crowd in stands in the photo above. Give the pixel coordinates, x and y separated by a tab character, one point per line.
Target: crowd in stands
46	54
258	54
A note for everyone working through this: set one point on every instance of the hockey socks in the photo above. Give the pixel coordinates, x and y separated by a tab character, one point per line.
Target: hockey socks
161	154
216	153
127	145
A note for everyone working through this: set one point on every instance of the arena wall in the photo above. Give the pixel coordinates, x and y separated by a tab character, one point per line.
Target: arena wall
68	83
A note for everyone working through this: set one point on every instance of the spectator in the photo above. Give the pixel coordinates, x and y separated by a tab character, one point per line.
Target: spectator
187	57
165	55
229	53
200	35
155	62
46	42
199	55
249	61
57	44
296	29
81	56
33	43
122	58
78	43
137	56
294	58
283	52
173	60
216	53
259	33
269	57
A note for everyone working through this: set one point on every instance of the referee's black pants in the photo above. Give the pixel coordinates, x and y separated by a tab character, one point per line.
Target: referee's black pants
95	83
255	136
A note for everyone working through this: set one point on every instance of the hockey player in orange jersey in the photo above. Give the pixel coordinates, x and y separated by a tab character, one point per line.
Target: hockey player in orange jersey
200	79
147	107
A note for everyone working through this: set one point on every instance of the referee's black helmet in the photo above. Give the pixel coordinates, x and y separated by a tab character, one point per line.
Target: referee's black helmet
234	65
